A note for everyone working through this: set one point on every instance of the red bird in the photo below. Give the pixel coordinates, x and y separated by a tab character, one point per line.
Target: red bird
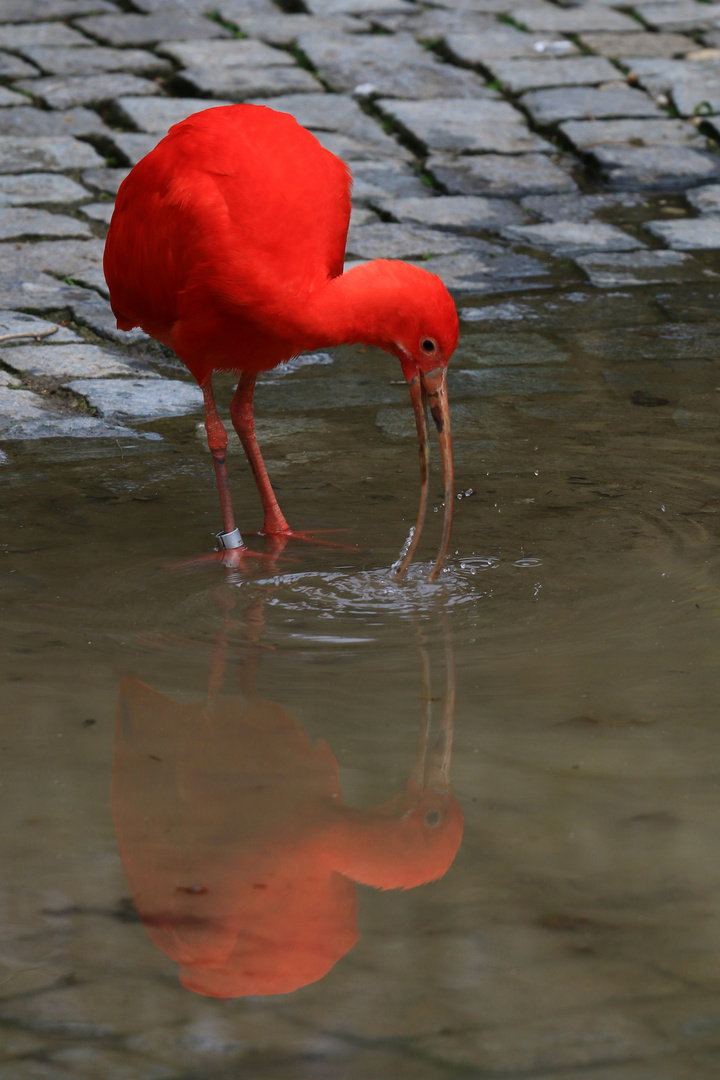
227	245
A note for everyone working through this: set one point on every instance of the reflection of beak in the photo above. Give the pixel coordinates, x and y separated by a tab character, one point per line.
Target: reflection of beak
430	389
437	769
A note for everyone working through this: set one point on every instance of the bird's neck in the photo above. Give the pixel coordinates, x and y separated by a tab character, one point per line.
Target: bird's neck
356	308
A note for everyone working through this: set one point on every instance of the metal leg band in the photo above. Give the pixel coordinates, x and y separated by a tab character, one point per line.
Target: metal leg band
229	541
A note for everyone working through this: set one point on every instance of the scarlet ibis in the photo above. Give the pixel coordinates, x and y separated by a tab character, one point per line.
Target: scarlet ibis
227	243
241	856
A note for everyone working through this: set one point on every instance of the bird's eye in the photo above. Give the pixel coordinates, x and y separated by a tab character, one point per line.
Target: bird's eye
428	345
433	818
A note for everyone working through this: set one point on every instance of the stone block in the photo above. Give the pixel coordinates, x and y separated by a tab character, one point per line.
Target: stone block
351	149
433	24
655	168
579	207
686	15
12	67
9	98
18	405
134	146
45	154
147	399
455	213
470	126
405	241
240	83
63	93
574	20
375	179
25	11
470	273
18	322
26	189
587	134
638	44
16	222
100	211
358	7
80	361
94	60
56	425
102	179
232	10
28	121
506	43
157	115
693	85
706	200
94	311
588	103
124	30
78	260
224	54
688	234
390	66
15	35
284	30
521	75
31	289
570	238
617	271
501	176
330	112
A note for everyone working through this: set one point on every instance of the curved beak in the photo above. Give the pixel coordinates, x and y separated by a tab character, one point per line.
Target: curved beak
429	389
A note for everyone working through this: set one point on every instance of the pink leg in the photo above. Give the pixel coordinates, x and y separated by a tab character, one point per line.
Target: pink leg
217	441
241	412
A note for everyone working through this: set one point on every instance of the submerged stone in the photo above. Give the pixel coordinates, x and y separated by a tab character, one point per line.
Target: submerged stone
148	399
453	212
688	234
640	268
574	238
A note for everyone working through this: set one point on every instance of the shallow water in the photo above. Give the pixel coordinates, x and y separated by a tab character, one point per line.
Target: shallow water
577	930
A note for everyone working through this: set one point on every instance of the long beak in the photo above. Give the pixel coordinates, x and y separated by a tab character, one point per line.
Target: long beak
418	398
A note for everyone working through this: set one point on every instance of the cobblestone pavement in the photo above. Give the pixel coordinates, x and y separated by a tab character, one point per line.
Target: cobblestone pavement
502	144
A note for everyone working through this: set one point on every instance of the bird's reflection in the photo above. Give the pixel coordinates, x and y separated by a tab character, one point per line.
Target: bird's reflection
241	855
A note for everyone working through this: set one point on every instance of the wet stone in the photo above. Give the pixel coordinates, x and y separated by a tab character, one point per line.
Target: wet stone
392	66
23	11
375	179
18	222
18	322
284	30
390	241
25	189
470	126
148	399
15	35
134	146
104	179
565	208
59	426
468	273
159	114
588	103
587	134
687	15
79	361
123	30
240	83
576	20
655	167
504	177
12	67
641	268
706	200
688	234
63	93
639	44
568	238
29	121
506	43
453	212
521	75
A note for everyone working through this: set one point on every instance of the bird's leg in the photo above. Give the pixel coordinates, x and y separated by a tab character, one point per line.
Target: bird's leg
241	412
230	537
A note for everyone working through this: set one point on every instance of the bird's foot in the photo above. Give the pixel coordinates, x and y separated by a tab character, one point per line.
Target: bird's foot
278	538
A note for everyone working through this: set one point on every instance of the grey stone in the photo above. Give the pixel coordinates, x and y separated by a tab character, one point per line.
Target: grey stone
93	60
641	268
586	134
148	399
27	121
79	260
357	7
240	83
8	98
505	177
520	75
122	30
374	179
506	43
15	35
17	222
508	312
225	54
569	238
31	289
639	44
12	67
284	30
706	200
588	103
688	234
18	322
459	124
694	85
157	115
26	189
433	24
576	20
23	11
94	311
104	179
687	15
655	167
453	212
59	426
63	93
393	66
134	146
578	207
699	96
330	112
18	405
80	361
232	10
362	215
351	149
99	211
404	241
469	273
